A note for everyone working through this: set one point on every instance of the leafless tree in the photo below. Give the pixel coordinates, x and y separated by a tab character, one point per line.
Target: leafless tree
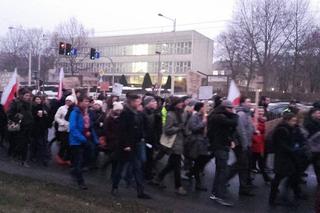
73	32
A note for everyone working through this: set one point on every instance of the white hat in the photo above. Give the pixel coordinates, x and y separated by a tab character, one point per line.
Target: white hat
100	103
70	98
117	106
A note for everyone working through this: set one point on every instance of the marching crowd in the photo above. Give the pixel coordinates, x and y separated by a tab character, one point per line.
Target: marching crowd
137	133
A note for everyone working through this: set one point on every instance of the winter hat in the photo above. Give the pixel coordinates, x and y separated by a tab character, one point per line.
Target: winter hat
98	102
147	100
117	106
227	104
70	98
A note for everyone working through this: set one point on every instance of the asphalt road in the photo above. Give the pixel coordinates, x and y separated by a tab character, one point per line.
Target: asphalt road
166	200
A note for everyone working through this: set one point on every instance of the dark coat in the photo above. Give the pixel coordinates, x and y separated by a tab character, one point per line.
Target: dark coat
112	132
285	162
198	143
19	109
131	132
98	119
221	128
152	124
41	124
3	118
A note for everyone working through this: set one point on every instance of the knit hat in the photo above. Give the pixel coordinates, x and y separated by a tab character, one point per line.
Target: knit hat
147	100
98	102
70	98
117	106
227	104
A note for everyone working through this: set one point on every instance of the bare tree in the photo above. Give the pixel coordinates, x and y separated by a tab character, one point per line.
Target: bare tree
265	23
16	46
302	25
76	34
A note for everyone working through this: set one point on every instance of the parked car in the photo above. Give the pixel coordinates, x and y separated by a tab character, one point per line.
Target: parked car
276	109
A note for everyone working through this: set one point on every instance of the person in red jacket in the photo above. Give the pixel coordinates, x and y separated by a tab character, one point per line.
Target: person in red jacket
258	146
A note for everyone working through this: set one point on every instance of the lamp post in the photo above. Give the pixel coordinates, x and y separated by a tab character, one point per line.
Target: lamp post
159	75
171	19
29	70
174	30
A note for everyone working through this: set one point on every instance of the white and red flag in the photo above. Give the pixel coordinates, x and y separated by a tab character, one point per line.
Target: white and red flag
10	90
61	77
234	94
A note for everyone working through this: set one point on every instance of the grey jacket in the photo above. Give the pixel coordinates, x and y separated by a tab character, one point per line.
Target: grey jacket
198	143
245	128
173	126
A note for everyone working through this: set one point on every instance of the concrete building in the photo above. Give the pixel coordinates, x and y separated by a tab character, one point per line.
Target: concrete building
135	55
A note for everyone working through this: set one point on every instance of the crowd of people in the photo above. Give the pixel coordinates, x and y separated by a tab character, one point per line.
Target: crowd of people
136	134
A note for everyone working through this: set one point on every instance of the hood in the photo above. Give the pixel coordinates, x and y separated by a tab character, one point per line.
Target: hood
243	109
221	110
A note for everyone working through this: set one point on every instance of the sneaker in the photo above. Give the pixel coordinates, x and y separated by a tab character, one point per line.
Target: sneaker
144	196
221	201
181	191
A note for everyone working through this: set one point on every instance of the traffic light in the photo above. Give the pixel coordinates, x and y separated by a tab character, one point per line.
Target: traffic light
62	48
92	53
68	49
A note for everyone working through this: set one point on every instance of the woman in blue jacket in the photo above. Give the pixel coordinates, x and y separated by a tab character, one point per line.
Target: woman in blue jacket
81	138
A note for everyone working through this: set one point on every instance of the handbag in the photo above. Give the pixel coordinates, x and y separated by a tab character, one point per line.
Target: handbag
14	126
168	141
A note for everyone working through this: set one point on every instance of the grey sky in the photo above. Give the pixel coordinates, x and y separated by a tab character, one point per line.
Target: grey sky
121	16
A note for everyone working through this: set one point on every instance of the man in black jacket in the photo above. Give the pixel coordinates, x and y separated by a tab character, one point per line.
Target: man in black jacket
150	133
131	145
221	129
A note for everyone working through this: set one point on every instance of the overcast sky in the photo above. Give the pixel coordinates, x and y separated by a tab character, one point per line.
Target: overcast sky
118	17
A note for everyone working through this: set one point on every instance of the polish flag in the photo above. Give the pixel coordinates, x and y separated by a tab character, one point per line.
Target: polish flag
10	90
61	77
234	94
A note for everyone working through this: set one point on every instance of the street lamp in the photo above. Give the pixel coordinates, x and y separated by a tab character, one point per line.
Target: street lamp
29	71
171	19
159	74
174	30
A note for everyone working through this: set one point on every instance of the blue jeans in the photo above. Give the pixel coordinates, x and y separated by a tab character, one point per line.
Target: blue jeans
136	165
219	187
77	153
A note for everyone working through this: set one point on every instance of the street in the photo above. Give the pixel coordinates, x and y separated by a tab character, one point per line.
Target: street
166	200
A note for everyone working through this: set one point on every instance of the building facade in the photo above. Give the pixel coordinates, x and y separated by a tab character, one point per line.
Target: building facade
169	53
